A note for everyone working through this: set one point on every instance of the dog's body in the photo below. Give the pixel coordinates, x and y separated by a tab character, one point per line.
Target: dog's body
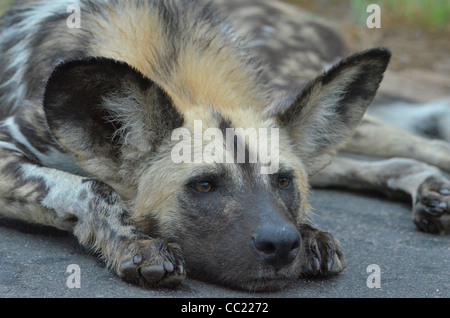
88	115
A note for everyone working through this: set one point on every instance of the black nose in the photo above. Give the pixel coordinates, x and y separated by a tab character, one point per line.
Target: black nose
277	246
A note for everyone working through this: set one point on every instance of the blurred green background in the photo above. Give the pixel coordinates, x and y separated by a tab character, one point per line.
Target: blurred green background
4	4
433	15
416	31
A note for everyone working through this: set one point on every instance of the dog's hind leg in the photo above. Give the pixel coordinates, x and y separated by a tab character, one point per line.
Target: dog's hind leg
376	139
430	120
423	183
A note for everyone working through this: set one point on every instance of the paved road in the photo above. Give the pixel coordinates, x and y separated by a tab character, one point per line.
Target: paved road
372	230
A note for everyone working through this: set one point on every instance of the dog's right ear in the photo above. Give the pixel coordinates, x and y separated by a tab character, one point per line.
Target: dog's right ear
95	106
323	115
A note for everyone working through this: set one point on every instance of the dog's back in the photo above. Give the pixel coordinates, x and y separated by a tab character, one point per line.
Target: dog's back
293	46
35	38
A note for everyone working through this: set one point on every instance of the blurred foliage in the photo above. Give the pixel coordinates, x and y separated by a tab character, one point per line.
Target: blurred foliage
420	24
417	31
433	15
4	4
430	15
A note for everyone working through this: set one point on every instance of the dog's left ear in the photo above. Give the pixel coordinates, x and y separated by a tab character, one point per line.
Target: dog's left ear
101	110
325	114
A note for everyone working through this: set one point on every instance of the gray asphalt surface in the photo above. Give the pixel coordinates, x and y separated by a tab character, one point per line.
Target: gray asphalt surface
372	230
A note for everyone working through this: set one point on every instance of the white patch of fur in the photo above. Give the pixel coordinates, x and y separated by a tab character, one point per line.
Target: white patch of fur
63	190
53	158
9	146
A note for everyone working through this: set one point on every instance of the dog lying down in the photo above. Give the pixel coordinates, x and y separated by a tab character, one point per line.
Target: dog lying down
177	137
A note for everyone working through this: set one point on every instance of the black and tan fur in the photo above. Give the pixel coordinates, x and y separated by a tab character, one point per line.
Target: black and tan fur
87	117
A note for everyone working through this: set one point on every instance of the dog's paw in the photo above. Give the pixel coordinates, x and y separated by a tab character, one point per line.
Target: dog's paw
155	264
323	255
431	209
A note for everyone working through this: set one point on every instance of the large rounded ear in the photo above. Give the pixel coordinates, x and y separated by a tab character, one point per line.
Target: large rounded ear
325	113
95	107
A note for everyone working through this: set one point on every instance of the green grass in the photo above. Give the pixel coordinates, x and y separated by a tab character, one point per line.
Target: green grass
433	15
430	15
4	5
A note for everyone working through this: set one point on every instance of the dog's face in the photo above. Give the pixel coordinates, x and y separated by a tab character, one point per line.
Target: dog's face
192	176
236	224
239	228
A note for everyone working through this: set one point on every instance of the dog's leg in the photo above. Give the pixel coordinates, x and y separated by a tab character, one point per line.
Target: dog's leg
430	120
425	184
95	214
376	139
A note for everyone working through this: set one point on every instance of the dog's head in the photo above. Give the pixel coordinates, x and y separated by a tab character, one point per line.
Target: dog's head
229	184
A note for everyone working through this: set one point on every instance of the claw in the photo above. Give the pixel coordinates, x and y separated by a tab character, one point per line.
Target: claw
330	264
168	266
137	259
315	265
181	269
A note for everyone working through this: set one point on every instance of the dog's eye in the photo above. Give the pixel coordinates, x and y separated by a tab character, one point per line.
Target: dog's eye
202	187
284	183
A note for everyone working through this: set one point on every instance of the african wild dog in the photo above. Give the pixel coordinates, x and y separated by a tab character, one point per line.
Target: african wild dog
88	114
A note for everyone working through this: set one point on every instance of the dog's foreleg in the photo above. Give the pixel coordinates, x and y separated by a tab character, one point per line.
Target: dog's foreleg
93	212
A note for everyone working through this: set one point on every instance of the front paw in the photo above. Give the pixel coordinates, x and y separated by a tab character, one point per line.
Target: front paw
323	255
154	264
